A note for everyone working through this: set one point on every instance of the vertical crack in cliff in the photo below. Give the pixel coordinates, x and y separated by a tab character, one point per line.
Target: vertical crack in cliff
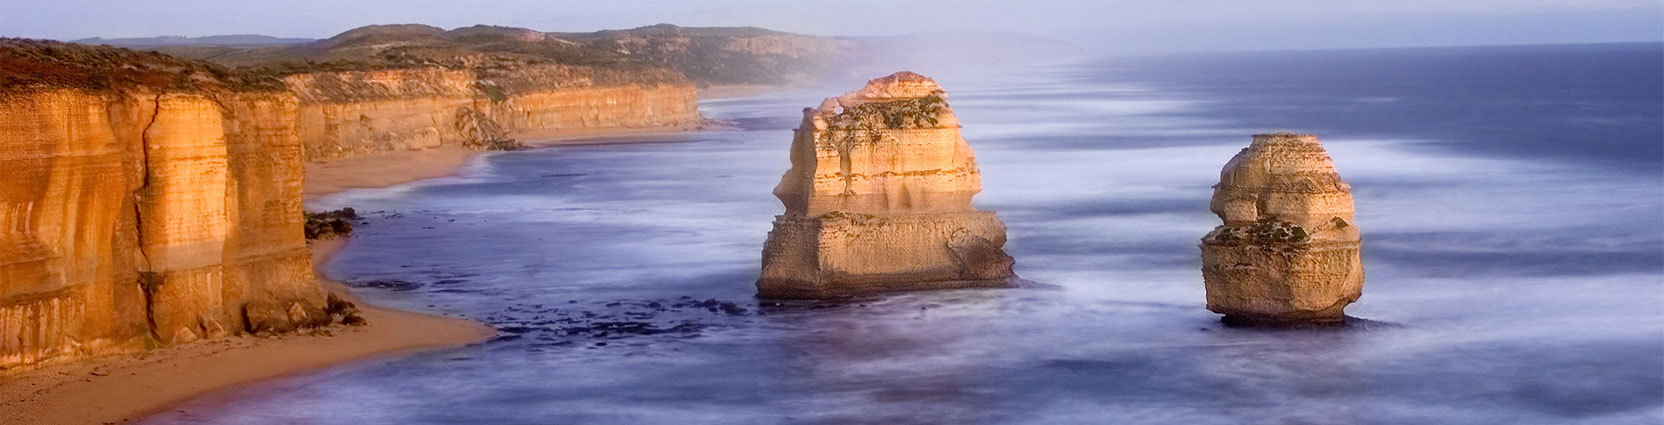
148	283
144	156
149	280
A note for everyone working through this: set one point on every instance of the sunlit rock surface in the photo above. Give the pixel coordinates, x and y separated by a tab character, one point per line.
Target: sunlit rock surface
135	218
145	201
878	198
1288	251
349	113
148	200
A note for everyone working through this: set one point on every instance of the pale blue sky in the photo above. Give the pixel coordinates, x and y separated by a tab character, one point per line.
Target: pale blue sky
1107	26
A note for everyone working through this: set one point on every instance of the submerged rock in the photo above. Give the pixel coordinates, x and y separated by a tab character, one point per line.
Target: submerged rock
1287	251
878	198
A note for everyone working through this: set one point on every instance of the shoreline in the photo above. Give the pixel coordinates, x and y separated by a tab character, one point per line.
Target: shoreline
383	169
128	387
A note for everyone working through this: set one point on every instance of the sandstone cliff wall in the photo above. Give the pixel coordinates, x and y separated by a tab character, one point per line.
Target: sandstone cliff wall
147	200
343	114
133	219
69	269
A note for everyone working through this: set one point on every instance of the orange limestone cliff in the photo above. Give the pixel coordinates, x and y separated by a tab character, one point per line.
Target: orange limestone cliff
878	198
150	200
343	114
142	205
1288	251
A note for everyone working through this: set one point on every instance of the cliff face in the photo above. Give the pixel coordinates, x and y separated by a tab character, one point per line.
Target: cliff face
150	200
727	55
134	218
879	198
69	265
1288	250
343	114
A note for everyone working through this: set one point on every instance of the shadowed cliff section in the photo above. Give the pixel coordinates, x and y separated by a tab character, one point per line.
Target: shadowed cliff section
147	201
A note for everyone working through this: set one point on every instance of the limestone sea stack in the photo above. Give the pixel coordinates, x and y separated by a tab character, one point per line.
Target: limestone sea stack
1288	251
878	198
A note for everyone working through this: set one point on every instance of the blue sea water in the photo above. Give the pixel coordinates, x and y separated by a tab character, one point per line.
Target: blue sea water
1511	201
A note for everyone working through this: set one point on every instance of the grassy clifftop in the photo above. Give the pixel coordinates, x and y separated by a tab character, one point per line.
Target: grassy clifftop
28	64
501	56
705	55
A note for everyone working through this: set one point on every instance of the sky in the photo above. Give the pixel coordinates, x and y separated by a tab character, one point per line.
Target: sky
1104	26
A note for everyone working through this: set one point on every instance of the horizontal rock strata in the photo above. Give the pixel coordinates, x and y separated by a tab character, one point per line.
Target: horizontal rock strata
1288	251
343	114
879	198
150	200
140	218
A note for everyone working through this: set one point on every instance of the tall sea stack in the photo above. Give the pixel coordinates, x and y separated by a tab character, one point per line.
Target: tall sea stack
878	198
1288	251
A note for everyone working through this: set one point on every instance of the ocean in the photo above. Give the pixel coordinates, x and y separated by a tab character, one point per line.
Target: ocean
1511	201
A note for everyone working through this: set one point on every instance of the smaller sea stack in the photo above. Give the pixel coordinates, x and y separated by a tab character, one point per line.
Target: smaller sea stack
878	198
1288	252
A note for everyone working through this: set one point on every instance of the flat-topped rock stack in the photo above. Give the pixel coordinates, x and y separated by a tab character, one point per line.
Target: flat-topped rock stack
1288	251
878	198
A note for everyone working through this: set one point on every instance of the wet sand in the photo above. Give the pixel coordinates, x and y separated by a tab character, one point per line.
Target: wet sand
122	388
545	138
382	170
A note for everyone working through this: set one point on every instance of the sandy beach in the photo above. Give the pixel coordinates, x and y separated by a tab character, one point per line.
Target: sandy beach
382	169
128	387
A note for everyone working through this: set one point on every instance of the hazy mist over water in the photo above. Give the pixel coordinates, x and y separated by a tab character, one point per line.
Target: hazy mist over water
1510	201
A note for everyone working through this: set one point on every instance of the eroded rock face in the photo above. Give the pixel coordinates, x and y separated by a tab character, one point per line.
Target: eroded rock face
878	198
1287	251
134	218
343	114
148	200
69	245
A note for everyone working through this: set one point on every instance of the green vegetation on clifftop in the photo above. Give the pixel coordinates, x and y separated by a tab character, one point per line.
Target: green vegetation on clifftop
26	64
705	55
